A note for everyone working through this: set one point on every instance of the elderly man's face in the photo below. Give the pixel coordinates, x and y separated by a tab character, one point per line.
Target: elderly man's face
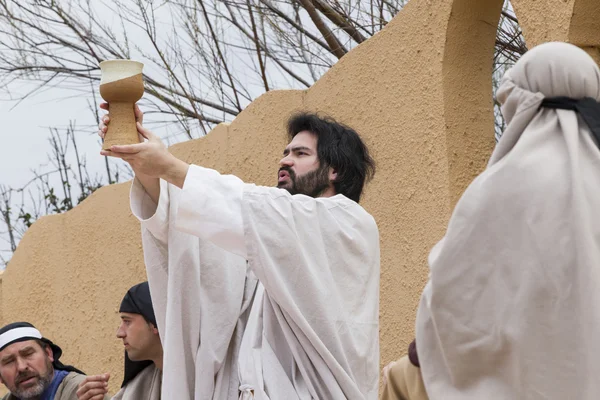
26	369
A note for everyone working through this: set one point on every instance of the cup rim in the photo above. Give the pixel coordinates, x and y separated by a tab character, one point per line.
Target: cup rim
111	61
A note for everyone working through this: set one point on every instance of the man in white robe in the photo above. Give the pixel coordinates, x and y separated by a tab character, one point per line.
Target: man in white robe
263	293
510	309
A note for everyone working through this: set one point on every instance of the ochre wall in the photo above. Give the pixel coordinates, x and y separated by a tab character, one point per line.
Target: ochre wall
573	21
419	92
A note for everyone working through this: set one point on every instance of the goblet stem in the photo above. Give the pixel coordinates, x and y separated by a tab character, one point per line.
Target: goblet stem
121	129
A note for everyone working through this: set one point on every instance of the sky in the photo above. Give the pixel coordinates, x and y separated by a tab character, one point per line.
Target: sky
24	141
25	133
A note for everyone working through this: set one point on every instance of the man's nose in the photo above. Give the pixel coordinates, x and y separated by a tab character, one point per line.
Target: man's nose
286	161
121	333
21	364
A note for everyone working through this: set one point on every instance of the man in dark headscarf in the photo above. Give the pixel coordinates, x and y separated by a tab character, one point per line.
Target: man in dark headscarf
30	366
143	352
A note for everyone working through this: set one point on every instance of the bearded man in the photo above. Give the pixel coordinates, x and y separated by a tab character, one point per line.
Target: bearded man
30	366
262	293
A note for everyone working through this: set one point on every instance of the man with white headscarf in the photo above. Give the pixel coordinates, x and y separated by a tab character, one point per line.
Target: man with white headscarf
30	366
511	309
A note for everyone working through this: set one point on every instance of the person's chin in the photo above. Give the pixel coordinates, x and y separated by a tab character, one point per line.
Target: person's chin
29	388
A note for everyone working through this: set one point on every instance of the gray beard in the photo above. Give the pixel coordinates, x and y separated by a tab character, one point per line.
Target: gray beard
34	393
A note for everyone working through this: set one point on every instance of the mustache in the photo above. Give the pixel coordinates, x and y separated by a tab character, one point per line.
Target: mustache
24	376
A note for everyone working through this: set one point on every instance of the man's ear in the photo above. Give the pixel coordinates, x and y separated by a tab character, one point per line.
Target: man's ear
154	329
333	174
50	353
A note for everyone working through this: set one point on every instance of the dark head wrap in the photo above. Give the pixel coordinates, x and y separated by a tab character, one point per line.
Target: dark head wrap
137	300
588	108
413	356
22	331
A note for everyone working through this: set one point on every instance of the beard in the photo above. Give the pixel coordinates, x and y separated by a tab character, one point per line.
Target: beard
312	184
41	384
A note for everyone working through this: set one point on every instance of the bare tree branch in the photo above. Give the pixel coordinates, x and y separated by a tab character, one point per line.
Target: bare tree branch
339	20
329	37
205	61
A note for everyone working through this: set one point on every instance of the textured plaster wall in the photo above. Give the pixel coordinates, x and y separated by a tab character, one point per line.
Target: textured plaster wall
573	21
419	92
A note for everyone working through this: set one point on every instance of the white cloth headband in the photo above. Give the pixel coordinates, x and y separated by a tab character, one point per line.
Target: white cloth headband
18	333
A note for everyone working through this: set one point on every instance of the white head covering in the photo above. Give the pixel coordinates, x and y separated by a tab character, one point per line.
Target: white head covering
512	307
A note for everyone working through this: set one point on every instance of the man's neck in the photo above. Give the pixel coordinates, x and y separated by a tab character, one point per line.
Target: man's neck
329	192
158	361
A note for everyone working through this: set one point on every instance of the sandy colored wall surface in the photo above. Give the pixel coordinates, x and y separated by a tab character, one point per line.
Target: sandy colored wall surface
419	92
573	21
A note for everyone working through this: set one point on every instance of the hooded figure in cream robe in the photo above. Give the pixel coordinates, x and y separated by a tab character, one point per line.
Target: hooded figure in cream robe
512	306
258	293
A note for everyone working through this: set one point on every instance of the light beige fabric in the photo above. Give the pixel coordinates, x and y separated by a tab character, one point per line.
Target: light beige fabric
312	331
146	385
298	321
512	306
199	293
403	381
67	390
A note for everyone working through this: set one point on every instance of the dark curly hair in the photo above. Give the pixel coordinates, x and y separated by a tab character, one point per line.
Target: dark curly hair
339	147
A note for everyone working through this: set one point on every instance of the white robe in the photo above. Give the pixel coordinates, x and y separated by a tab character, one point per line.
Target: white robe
511	307
188	278
309	329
